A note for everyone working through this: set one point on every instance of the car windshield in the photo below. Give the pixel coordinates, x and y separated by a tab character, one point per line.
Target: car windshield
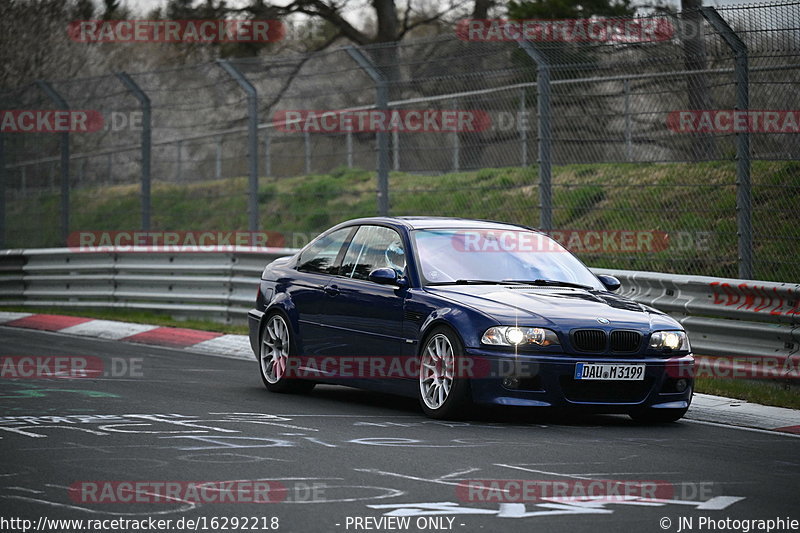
450	256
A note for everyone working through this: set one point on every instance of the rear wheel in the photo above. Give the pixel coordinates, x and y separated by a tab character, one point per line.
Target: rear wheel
274	357
443	393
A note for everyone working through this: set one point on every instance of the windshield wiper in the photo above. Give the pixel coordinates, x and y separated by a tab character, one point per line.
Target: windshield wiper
555	283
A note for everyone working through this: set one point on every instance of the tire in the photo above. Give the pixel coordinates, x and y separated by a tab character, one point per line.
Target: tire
659	416
442	393
275	350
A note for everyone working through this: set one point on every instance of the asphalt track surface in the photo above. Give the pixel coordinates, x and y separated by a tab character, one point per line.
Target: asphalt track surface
347	460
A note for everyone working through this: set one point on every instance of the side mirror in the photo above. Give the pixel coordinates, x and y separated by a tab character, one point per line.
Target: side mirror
386	276
609	282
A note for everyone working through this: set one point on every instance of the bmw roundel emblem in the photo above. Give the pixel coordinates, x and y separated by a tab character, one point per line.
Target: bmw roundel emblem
603	320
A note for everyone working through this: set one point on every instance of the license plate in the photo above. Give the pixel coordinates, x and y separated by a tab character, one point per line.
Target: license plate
609	372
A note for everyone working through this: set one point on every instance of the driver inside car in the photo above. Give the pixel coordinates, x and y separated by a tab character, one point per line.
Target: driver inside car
396	258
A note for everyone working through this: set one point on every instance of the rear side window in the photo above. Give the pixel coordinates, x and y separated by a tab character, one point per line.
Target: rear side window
320	257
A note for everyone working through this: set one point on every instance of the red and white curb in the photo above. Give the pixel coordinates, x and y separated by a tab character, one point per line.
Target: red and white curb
705	409
212	343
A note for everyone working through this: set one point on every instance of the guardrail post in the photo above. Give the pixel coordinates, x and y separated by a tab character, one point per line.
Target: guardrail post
144	101
252	137
62	104
382	104
743	188
544	110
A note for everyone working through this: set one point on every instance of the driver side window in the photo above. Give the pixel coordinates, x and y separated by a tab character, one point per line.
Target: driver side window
373	247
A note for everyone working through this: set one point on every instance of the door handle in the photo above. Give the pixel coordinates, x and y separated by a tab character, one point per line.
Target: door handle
332	290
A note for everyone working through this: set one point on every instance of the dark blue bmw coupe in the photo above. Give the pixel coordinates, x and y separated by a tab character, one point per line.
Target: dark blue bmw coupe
457	311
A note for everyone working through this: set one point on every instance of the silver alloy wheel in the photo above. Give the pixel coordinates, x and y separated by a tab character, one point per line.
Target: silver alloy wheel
274	349
436	371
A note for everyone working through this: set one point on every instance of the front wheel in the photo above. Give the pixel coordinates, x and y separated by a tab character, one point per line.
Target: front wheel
274	357
443	393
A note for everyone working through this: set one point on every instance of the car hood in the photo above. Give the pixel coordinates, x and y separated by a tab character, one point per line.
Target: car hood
560	307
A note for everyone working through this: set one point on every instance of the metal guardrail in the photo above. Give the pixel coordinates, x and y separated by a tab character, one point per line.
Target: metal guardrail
220	286
724	317
733	318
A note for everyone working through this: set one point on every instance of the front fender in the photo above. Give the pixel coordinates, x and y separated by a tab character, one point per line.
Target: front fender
469	326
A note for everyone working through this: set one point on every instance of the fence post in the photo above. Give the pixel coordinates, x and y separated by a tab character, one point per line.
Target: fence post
267	162
543	109
179	160
3	177
382	104
743	187
218	160
252	137
626	89
307	152
349	143
395	149
62	104
144	101
522	127
456	145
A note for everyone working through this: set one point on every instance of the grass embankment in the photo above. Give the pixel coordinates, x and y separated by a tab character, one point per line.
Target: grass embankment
693	203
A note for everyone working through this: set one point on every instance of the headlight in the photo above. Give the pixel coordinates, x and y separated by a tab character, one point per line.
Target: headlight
515	336
669	340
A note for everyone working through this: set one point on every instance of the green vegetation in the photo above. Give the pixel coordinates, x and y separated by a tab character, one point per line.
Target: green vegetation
763	392
693	203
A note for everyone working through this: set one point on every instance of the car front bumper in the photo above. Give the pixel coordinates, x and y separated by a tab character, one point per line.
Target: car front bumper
549	381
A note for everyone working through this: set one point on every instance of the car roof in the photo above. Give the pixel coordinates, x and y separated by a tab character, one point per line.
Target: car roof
428	222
